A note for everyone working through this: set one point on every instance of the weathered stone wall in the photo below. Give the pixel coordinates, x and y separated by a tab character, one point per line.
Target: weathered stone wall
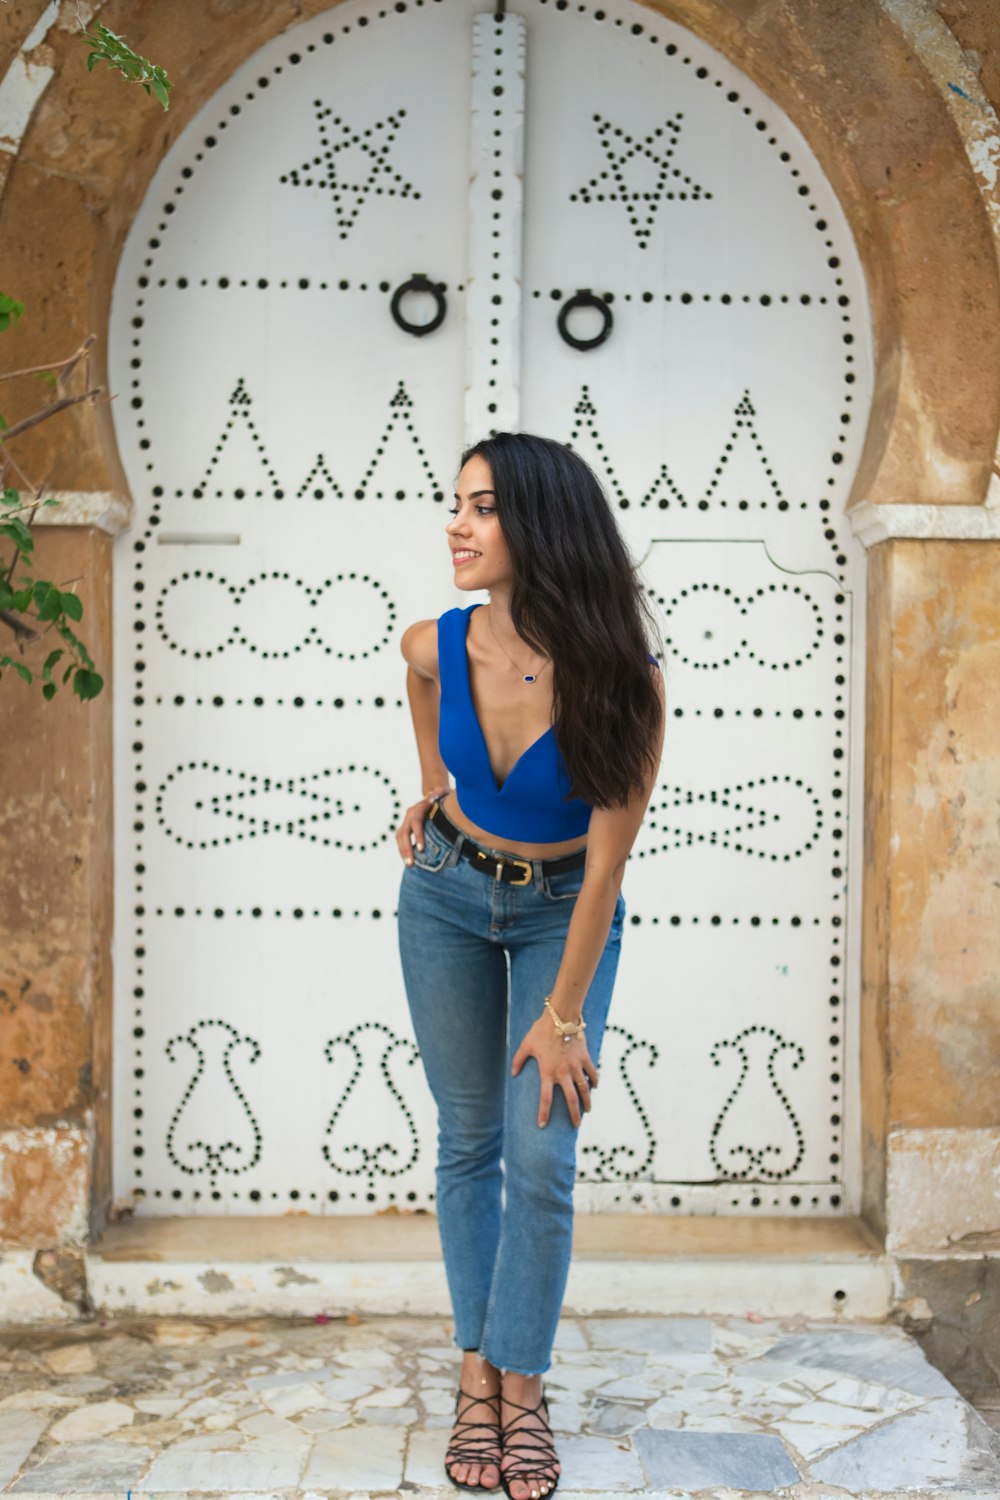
55	929
975	24
901	111
941	771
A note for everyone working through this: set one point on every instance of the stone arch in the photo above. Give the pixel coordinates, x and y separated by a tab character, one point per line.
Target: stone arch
846	74
863	79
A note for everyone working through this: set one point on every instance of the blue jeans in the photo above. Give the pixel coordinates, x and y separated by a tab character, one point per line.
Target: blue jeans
504	1184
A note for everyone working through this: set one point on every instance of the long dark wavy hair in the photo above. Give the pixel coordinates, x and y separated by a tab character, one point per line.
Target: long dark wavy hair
577	599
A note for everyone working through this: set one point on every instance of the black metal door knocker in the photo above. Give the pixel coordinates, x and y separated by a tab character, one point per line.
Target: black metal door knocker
418	282
585	298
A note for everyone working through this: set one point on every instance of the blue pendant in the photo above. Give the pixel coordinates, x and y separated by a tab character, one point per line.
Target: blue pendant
529	678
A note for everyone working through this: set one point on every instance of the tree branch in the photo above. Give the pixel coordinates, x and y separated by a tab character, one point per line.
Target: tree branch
49	411
10	459
17	625
67	364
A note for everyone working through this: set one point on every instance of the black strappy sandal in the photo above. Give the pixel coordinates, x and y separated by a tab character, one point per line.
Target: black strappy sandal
465	1448
536	1459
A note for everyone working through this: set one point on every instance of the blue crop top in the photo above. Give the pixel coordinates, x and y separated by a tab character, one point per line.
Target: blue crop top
529	806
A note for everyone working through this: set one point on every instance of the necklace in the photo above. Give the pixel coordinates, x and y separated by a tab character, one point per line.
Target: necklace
524	676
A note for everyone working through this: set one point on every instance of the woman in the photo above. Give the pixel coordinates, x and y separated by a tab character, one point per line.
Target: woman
545	707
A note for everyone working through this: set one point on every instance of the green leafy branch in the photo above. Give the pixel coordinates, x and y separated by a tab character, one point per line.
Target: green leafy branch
107	46
30	607
10	311
33	607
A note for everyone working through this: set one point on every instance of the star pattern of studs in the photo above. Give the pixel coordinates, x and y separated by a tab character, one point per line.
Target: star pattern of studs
352	165
640	174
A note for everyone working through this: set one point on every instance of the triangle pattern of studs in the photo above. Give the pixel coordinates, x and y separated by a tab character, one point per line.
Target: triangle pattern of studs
320	481
663	489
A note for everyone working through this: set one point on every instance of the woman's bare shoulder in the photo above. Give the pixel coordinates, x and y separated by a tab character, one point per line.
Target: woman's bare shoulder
419	646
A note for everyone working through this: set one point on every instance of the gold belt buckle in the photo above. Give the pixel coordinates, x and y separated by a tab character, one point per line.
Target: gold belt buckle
526	865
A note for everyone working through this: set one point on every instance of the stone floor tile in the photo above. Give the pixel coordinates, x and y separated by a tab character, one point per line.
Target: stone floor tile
179	1331
720	1421
708	1403
265	1423
570	1335
214	1403
667	1335
942	1443
293	1441
160	1406
234	1338
366	1358
85	1467
634	1387
391	1395
567	1377
294	1398
323	1421
83	1385
272	1382
19	1432
437	1401
816	1428
387	1416
646	1494
205	1406
899	1361
666	1364
598	1464
345	1388
228	1418
93	1421
567	1413
425	1458
665	1414
120	1347
739	1335
180	1469
698	1460
208	1442
157	1435
616	1418
747	1386
863	1414
357	1458
70	1359
868	1395
623	1362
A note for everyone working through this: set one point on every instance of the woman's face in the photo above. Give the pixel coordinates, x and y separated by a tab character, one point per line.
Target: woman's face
474	529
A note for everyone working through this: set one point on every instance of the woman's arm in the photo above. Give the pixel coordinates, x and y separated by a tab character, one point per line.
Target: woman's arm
419	647
610	837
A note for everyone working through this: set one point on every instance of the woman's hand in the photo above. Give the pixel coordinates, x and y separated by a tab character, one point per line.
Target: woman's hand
564	1064
413	823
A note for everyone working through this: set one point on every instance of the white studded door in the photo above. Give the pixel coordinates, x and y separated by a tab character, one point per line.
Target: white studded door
393	229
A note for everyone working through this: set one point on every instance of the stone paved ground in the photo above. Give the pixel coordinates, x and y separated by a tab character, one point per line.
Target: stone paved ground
665	1407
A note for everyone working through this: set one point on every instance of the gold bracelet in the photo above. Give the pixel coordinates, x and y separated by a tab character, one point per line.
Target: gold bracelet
566	1029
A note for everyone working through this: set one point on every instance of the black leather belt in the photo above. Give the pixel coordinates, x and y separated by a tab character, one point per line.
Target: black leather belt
504	867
